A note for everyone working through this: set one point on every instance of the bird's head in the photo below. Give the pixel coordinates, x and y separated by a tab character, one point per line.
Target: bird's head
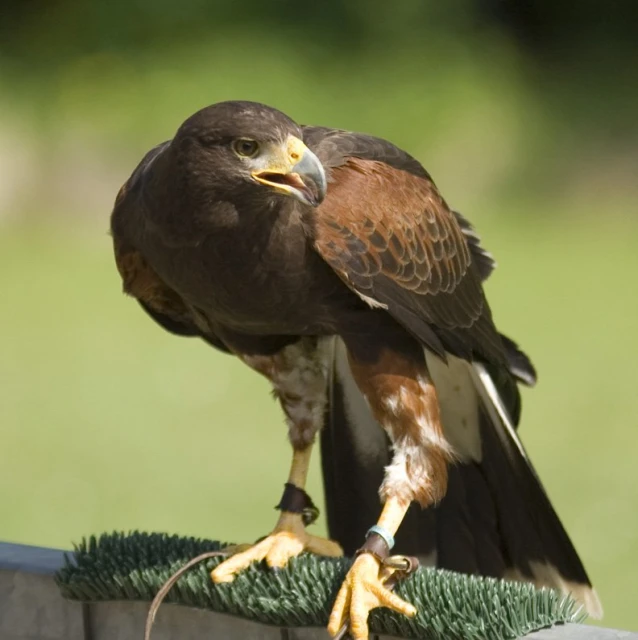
251	150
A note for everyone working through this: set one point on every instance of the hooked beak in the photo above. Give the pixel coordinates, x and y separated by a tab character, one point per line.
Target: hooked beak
294	170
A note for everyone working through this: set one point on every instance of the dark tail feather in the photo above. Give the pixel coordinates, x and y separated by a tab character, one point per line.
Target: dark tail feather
495	520
535	542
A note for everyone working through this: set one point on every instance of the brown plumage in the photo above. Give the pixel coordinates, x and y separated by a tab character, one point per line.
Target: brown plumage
407	253
334	267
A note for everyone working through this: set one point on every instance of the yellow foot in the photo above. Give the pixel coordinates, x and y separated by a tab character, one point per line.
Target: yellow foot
288	540
362	591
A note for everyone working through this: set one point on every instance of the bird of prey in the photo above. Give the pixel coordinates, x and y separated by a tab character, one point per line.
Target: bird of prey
329	262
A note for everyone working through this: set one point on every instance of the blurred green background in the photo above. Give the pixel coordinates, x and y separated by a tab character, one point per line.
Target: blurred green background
525	114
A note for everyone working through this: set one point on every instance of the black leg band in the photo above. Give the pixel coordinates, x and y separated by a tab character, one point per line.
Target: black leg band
296	500
376	546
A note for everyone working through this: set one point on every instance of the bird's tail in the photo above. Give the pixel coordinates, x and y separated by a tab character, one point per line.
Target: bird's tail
496	518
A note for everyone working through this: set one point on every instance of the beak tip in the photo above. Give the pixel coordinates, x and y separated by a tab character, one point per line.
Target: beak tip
312	173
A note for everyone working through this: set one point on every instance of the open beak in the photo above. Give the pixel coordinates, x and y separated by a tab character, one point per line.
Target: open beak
294	170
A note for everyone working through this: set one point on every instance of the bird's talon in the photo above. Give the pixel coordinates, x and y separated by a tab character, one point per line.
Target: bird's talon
362	591
276	549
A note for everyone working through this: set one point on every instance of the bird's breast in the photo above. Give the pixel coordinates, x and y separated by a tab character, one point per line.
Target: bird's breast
254	280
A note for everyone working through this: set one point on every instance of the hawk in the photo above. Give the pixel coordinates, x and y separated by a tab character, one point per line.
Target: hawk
329	262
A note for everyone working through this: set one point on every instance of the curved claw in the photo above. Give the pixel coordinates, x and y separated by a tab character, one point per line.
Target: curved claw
276	549
362	591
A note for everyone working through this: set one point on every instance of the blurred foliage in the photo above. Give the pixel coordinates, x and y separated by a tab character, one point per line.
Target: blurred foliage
35	28
523	110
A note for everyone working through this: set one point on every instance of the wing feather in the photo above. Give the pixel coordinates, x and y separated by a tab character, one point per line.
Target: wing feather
392	238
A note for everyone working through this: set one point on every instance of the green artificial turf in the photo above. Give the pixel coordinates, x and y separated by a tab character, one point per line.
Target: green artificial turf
450	605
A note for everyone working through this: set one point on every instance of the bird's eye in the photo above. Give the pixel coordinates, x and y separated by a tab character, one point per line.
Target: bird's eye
245	147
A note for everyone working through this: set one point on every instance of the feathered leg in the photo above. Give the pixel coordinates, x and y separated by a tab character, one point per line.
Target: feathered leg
299	377
396	383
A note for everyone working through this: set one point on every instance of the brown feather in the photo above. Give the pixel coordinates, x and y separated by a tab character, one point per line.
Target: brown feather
140	281
403	399
391	237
